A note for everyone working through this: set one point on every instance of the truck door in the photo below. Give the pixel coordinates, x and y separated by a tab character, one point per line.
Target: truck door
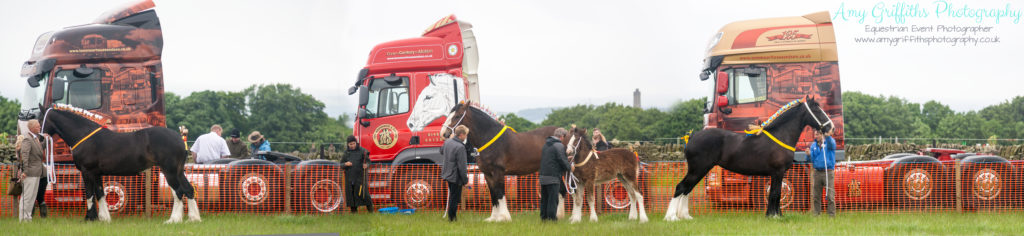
747	92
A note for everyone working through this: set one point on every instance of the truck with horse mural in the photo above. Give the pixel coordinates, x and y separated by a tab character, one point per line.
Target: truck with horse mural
112	68
406	90
755	67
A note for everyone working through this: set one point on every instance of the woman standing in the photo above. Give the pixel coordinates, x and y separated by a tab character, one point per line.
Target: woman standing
355	161
600	143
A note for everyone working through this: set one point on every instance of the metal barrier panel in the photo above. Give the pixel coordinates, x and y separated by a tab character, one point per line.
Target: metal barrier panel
320	188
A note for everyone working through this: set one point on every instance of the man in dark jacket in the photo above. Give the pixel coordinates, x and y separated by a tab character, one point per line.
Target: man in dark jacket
553	164
354	162
454	170
238	148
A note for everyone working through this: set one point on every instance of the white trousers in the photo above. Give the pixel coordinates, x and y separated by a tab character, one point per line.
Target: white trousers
30	186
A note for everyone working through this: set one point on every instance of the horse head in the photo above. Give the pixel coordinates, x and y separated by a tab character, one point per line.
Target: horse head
474	118
815	116
576	141
435	99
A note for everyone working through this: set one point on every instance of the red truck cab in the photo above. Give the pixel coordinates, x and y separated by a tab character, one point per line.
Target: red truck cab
405	90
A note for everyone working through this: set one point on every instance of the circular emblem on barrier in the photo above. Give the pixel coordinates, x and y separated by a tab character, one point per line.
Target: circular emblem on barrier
115	196
615	195
786	196
325	195
417	193
917	184
453	49
385	136
986	184
254	189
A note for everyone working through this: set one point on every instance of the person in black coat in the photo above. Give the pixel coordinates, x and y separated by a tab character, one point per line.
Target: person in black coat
355	161
553	165
454	169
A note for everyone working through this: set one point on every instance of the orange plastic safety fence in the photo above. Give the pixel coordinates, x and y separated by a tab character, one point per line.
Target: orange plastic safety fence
319	188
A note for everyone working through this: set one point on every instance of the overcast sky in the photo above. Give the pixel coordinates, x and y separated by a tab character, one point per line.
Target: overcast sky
532	53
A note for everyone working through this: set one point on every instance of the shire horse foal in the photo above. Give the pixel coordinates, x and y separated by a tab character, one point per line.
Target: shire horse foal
596	168
99	152
767	154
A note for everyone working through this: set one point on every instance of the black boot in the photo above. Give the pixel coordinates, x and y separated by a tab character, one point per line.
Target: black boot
43	211
354	209
369	208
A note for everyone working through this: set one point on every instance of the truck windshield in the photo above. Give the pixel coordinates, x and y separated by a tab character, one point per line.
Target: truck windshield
388	99
82	91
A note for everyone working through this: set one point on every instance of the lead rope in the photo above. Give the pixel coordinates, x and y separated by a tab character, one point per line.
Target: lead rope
51	175
573	181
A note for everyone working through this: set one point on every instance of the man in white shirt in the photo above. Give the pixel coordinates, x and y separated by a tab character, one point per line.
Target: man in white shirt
210	147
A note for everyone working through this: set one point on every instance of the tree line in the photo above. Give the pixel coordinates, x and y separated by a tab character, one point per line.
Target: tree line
865	116
284	113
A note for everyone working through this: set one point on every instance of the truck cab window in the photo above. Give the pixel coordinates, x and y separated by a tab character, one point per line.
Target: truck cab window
34	97
82	91
387	99
745	87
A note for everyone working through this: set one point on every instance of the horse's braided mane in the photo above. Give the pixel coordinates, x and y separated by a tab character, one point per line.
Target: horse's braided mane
485	110
768	122
81	112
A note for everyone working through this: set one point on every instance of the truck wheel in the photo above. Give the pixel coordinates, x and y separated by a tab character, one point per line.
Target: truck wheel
255	186
420	187
317	187
760	195
915	184
986	183
121	197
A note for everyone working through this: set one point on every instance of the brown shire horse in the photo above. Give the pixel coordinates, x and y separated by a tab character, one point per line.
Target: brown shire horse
595	168
502	152
99	152
760	155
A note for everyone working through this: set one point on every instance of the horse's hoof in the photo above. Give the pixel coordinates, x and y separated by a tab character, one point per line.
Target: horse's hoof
574	220
643	220
172	221
688	217
593	219
671	217
195	219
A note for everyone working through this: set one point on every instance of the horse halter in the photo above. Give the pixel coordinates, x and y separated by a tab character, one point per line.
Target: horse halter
457	123
820	124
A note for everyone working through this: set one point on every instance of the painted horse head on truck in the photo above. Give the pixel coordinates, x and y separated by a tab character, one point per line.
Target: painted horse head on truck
405	90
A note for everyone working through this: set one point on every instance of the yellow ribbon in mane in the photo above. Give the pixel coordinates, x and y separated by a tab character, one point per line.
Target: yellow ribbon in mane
488	144
86	138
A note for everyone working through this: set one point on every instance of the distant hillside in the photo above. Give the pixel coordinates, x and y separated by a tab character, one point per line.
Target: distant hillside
535	115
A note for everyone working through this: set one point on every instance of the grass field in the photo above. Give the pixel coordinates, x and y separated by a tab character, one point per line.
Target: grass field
528	223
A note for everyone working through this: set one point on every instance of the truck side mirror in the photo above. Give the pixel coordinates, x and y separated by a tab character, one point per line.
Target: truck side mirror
722	101
364	95
57	91
32	82
353	90
359	117
722	85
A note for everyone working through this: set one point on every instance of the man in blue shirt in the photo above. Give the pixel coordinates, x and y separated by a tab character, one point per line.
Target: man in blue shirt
823	156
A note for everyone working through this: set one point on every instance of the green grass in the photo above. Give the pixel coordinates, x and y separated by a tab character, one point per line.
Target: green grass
528	223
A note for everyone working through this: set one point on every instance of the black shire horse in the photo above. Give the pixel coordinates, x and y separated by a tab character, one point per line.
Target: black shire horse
99	152
760	155
502	152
